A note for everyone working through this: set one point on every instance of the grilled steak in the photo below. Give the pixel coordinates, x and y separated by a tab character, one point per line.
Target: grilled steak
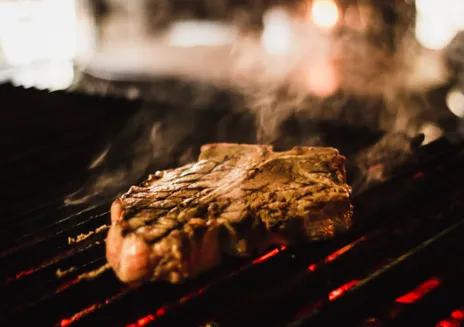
237	199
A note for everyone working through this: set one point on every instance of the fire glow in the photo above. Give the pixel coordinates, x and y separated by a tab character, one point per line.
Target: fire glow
148	318
269	255
334	255
335	294
455	319
419	292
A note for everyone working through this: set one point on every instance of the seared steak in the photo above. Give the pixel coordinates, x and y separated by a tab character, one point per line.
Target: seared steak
237	199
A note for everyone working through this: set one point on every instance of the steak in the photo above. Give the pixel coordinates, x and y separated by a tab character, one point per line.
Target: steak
237	199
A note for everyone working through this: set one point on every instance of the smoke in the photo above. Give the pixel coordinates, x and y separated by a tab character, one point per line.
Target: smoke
455	57
369	74
140	144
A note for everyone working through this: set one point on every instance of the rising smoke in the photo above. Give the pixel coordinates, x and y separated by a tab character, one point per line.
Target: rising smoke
367	75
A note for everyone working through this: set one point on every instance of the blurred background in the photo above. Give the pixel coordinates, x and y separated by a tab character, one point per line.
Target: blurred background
288	55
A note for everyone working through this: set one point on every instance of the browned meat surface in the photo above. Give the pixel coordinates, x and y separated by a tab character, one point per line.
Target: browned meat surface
237	199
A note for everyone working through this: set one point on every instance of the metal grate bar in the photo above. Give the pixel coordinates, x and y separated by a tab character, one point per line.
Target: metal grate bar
45	247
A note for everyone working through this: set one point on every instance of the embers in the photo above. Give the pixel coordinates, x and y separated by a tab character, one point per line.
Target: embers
455	319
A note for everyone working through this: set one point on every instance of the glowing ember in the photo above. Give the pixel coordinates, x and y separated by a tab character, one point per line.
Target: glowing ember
420	291
77	316
455	320
145	320
324	13
269	255
331	257
448	323
67	285
191	295
65	322
458	314
21	274
335	294
343	250
148	318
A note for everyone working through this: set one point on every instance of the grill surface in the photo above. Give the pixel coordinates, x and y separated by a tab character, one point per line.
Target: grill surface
400	264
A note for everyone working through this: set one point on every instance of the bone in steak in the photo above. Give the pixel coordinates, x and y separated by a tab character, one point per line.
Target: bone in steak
237	199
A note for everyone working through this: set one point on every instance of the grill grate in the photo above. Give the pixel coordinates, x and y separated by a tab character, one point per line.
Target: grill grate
402	264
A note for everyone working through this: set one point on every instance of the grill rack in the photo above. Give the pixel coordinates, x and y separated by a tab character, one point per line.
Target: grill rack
356	279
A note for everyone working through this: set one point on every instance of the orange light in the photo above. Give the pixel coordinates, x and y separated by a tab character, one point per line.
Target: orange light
324	13
67	285
21	274
79	315
145	320
331	257
448	323
160	312
335	294
187	297
343	250
419	291
148	318
455	320
458	314
269	255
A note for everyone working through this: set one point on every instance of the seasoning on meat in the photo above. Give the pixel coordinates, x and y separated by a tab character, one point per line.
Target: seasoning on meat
237	199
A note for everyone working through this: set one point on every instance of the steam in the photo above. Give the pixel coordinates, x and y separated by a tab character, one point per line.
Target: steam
368	75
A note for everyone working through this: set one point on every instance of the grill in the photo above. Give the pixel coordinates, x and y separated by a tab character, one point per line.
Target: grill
401	263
